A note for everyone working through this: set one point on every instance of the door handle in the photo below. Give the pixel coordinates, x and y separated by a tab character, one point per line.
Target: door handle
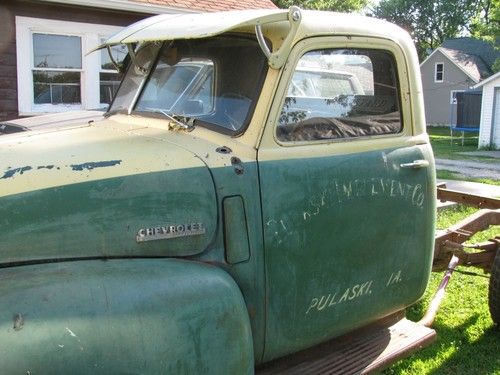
416	164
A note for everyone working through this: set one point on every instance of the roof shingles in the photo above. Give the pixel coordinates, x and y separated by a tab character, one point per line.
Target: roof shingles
210	5
474	56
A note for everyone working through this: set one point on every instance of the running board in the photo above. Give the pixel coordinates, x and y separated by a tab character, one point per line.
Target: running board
362	354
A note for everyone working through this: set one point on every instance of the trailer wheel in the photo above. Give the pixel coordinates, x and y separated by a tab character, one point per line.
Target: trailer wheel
494	291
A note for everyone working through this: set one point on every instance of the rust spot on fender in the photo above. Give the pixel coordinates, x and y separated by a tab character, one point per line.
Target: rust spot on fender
94	164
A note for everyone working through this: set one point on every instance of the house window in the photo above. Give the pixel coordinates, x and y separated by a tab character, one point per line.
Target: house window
57	64
109	77
54	71
439	71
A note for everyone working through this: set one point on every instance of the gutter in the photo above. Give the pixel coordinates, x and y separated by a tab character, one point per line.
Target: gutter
124	5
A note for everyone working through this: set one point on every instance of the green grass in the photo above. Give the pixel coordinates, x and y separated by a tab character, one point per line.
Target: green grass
467	342
444	148
448	175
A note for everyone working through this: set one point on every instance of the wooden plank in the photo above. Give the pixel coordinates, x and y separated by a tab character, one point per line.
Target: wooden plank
8	93
6	116
8	59
8	105
467	198
364	353
8	80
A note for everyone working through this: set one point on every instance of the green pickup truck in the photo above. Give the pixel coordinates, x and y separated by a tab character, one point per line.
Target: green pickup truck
262	187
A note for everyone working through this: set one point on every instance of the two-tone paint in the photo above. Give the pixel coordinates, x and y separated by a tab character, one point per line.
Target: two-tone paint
331	235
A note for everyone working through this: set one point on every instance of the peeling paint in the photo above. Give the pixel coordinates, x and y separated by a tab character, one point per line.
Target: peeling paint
45	167
18	322
283	225
71	332
94	164
11	172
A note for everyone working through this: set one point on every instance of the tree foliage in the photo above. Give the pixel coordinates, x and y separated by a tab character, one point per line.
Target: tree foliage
335	5
486	23
486	26
429	22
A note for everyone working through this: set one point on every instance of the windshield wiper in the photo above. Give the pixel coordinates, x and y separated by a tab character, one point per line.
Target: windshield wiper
178	122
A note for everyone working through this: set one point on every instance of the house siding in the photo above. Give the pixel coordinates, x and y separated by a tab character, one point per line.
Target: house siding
437	95
9	9
489	106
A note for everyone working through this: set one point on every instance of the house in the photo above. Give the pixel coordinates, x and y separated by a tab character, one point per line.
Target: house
43	44
489	132
455	67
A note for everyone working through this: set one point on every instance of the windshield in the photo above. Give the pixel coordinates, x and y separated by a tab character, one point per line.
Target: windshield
214	82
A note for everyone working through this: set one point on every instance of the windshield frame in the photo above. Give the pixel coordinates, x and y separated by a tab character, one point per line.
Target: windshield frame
197	122
130	65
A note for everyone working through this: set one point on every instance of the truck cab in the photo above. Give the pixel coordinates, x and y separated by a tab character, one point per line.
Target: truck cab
261	184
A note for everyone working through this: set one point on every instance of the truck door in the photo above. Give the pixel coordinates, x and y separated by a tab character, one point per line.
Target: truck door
347	184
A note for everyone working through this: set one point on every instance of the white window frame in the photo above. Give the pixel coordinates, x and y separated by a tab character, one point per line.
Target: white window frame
101	70
90	35
33	69
436	72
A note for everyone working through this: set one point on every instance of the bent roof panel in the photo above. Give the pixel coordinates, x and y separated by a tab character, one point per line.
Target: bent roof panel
194	25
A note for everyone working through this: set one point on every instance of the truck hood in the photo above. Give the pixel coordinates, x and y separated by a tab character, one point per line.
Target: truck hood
102	190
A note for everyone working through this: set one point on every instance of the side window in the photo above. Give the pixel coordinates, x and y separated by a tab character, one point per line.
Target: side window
341	93
438	73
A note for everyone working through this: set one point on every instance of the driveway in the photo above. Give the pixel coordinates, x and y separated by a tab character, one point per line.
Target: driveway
470	168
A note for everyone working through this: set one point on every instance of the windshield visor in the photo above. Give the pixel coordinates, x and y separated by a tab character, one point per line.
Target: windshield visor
214	81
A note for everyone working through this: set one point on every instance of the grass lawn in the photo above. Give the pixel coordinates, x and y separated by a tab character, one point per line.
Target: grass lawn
467	341
448	175
444	148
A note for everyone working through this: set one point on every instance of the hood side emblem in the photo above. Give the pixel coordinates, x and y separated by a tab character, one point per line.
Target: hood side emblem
164	232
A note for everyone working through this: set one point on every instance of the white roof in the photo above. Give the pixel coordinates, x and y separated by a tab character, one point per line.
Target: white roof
197	25
301	24
202	25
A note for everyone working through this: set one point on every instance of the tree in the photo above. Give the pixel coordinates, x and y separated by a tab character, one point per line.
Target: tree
429	22
335	5
486	26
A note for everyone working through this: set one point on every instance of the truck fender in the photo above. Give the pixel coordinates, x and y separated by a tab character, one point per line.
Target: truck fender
161	316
